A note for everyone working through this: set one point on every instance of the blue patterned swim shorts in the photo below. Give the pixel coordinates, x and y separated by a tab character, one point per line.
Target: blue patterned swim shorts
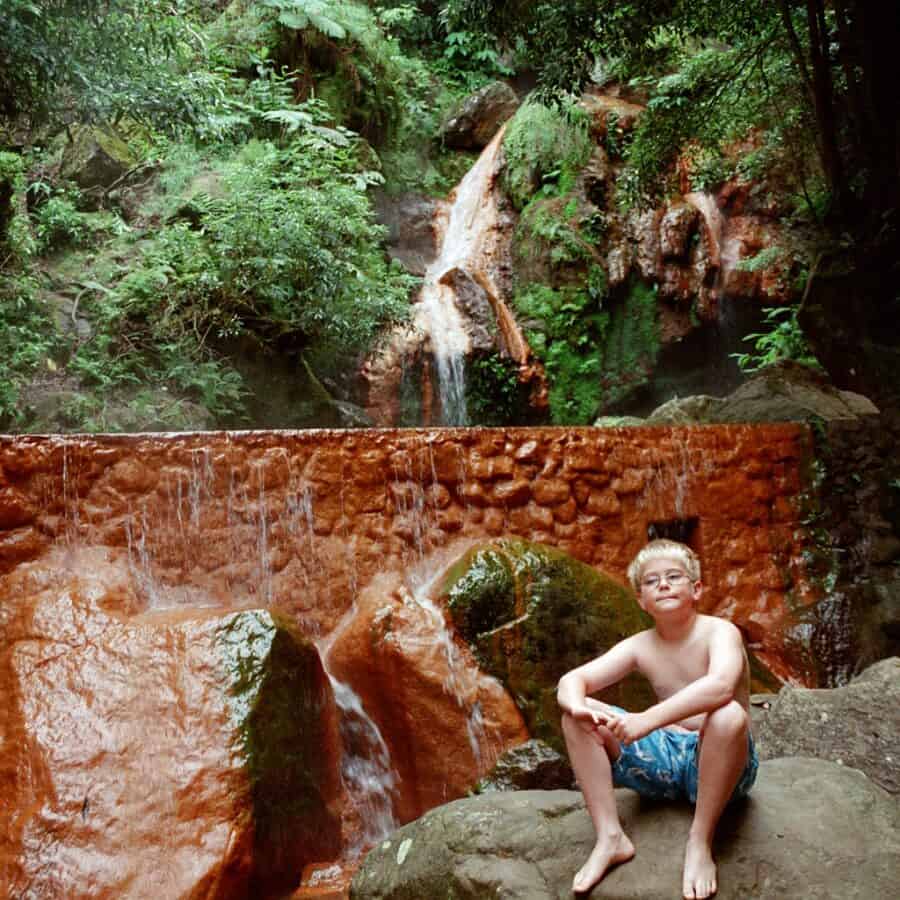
664	764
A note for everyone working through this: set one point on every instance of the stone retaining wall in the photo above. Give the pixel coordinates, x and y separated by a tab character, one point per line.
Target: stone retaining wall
303	520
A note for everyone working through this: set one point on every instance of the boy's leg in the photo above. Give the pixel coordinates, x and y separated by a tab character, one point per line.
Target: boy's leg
723	756
591	750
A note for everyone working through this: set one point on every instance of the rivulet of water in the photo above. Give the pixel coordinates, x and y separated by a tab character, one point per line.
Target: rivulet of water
367	773
366	769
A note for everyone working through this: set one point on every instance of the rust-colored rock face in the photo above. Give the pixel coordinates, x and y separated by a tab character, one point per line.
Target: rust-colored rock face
442	720
124	560
131	764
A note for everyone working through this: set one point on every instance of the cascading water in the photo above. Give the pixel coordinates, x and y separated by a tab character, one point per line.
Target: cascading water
733	319
366	768
463	227
366	771
460	681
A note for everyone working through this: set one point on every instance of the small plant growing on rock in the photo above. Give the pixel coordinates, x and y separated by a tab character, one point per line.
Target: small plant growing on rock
783	341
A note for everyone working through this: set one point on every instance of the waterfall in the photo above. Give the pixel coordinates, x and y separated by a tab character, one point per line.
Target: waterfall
733	320
366	770
464	225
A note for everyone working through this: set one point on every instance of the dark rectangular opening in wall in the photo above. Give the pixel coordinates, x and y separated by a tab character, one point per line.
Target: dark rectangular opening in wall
682	530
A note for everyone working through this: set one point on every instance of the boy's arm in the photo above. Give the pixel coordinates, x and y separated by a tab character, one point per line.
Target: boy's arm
716	688
593	676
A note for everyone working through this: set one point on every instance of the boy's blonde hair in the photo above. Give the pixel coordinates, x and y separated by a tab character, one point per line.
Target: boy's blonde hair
664	548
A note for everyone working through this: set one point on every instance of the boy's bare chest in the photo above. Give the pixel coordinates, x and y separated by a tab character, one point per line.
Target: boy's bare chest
670	668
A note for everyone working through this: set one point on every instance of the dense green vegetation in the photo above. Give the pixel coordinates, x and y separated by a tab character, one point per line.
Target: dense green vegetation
811	84
256	230
246	141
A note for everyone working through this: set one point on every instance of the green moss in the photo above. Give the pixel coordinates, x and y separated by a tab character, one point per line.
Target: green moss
631	347
482	595
544	146
545	228
566	329
532	613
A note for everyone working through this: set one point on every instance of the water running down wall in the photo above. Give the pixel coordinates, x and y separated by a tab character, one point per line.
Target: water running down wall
249	518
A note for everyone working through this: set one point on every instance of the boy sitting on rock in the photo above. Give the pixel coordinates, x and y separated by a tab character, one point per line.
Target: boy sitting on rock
694	743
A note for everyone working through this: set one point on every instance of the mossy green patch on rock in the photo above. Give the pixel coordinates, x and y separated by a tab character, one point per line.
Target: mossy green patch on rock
531	613
483	592
95	158
283	710
631	347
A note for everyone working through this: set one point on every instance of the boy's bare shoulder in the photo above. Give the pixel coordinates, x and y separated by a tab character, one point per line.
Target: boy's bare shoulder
642	641
722	636
719	629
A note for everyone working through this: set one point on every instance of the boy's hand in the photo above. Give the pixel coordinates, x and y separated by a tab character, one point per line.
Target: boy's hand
588	714
629	727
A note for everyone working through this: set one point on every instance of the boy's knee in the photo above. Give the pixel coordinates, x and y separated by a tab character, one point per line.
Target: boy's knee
574	727
730	719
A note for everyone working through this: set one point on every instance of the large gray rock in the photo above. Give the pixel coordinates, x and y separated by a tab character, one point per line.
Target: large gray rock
786	392
811	830
791	392
475	122
95	159
409	219
857	725
474	301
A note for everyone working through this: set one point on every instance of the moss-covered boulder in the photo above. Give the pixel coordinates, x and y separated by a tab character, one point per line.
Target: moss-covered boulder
283	714
95	159
531	613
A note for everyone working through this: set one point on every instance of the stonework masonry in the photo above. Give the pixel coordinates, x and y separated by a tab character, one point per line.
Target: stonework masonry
301	521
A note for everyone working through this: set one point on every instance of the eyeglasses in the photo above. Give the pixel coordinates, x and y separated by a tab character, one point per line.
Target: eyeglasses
673	577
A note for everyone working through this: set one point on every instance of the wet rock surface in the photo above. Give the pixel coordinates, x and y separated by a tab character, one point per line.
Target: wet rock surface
443	722
809	829
857	725
475	122
156	753
301	520
409	219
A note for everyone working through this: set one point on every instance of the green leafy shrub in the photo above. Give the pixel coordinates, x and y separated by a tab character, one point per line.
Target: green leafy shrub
784	340
59	222
494	395
288	257
27	339
16	239
547	222
544	146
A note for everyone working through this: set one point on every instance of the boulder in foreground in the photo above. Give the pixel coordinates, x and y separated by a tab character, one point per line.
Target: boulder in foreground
857	725
810	829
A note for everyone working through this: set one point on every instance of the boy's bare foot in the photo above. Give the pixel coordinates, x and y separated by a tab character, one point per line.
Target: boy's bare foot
699	870
607	852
